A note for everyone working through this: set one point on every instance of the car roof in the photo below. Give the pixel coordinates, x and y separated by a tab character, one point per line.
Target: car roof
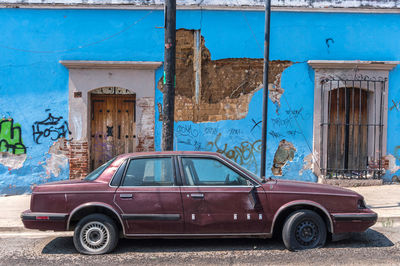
125	155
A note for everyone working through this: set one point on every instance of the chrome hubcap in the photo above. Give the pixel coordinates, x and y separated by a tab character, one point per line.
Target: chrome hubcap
94	236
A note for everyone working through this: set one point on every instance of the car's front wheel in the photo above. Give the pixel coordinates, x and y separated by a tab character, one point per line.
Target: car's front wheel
95	234
304	229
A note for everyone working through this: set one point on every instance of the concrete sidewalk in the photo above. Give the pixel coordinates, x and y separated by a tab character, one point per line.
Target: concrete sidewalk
384	200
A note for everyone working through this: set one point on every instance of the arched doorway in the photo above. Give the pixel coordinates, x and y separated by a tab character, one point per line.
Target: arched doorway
113	124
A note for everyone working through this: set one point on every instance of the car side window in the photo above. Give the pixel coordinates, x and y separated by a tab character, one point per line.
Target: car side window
210	172
149	172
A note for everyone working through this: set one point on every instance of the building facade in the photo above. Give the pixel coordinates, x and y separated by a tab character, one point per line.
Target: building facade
82	81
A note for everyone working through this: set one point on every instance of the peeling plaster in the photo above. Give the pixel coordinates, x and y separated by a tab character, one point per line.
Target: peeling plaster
393	168
275	93
308	163
77	121
57	160
283	154
12	161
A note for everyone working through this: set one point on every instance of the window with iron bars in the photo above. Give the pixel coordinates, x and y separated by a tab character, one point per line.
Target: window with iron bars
351	128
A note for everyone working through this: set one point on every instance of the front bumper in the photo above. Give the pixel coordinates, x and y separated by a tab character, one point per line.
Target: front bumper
354	222
363	217
44	221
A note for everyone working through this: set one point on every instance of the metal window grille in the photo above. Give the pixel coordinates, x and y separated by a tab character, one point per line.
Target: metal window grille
351	128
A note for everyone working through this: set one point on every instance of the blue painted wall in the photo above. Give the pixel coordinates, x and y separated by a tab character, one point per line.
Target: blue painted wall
33	83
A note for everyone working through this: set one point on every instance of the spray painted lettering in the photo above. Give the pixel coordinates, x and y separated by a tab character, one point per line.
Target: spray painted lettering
10	137
244	154
187	130
396	105
53	127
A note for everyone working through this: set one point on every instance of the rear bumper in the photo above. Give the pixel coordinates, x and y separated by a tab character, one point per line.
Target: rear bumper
354	222
44	221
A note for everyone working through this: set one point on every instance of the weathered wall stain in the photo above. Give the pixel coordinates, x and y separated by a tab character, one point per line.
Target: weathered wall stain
308	163
11	137
391	159
227	85
58	158
53	127
12	161
283	154
245	153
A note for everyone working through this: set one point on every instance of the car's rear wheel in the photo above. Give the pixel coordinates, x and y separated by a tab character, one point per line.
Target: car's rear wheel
95	234
304	229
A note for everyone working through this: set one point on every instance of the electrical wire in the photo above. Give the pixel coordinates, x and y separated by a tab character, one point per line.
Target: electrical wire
284	97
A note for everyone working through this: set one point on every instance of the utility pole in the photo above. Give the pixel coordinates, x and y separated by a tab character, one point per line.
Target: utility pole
265	92
169	75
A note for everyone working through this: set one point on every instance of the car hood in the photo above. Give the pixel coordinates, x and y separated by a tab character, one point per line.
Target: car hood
307	187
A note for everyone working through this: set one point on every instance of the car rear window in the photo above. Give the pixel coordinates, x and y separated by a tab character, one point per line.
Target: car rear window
149	172
96	173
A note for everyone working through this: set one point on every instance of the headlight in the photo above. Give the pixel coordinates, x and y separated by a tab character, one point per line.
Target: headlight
361	204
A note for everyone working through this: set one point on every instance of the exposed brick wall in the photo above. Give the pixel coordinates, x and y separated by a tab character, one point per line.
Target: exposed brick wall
225	86
227	109
78	156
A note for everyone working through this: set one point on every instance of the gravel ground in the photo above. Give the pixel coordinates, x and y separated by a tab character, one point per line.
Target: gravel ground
375	246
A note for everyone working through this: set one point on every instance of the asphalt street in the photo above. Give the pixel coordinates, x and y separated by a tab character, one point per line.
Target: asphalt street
375	246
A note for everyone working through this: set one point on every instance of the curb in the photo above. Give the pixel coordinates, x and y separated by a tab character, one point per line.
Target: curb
14	229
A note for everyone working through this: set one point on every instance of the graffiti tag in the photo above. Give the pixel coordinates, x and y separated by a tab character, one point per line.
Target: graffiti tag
234	132
255	124
275	135
210	131
10	137
53	127
395	105
243	154
191	142
187	130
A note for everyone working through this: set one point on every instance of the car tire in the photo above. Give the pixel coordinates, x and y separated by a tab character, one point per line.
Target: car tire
95	234
304	229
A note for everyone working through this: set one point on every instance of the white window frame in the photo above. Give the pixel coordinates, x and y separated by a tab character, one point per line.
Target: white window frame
344	70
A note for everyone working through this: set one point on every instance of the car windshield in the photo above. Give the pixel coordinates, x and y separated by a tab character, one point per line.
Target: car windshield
96	173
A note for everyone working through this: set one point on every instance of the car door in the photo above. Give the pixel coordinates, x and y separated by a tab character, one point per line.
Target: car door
217	198
149	197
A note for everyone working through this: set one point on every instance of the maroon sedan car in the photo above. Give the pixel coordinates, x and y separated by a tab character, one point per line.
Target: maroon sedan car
191	195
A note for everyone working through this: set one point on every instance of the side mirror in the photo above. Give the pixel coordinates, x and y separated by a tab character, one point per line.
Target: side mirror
254	199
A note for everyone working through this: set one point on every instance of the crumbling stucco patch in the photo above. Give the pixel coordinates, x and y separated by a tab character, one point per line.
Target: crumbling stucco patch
12	161
283	154
226	85
58	158
393	168
308	163
145	125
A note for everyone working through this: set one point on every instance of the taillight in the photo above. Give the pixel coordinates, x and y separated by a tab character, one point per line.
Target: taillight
42	217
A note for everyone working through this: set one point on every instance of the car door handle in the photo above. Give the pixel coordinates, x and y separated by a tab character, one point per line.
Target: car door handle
197	195
126	196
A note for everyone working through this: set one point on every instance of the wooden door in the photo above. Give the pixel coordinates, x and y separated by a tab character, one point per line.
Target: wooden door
113	127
